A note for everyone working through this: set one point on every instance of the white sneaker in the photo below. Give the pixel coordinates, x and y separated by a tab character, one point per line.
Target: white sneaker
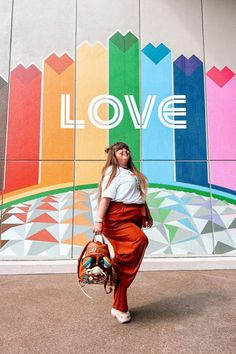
121	317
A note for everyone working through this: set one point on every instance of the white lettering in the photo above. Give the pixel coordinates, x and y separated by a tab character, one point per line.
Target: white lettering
134	111
93	111
164	112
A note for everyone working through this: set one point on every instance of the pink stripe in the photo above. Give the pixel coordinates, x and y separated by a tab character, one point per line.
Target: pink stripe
221	111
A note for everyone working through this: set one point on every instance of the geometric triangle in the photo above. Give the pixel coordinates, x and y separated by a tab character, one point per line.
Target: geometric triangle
199	224
161	215
218	209
80	196
162	193
192	208
216	218
66	205
22	217
49	199
64	232
207	242
203	213
223	248
175	215
54	250
25	208
217	227
156	202
17	248
17	210
78	240
17	232
64	215
55	230
12	219
87	214
168	250
157	234
188	223
79	219
172	231
208	228
46	206
227	220
80	206
155	245
37	248
228	211
180	208
232	225
3	242
44	218
42	235
168	202
7	251
186	199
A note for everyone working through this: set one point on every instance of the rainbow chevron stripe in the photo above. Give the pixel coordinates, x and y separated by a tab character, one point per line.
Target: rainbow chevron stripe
34	117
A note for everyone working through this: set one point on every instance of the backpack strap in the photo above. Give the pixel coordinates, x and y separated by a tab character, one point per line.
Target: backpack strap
81	256
101	236
109	277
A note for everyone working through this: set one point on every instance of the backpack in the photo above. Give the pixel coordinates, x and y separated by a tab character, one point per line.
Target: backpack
95	265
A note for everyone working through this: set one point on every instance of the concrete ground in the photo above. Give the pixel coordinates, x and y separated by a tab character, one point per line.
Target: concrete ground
172	312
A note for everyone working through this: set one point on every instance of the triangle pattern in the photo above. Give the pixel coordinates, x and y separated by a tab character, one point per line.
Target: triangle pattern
182	224
42	235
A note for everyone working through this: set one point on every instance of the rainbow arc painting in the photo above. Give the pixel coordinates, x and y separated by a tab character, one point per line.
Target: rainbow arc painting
58	114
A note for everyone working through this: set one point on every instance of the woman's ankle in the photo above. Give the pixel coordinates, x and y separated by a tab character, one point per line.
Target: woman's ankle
121	310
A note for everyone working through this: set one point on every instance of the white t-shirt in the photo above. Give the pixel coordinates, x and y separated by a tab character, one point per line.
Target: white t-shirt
123	188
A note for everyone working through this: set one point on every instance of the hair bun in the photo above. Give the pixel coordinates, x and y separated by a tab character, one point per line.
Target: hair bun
107	150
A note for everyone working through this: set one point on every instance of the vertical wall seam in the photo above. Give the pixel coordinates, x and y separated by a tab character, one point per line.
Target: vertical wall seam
74	152
8	99
140	89
206	121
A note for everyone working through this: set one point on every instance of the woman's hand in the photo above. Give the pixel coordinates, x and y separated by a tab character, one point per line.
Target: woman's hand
149	220
97	228
149	223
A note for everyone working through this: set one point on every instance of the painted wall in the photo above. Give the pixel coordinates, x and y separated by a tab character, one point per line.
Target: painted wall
76	76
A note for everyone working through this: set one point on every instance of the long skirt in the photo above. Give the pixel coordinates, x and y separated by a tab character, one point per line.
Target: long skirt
122	226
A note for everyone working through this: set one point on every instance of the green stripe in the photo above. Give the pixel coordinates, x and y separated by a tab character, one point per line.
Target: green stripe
124	80
191	190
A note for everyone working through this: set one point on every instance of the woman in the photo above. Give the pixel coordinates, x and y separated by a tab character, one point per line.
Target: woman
122	212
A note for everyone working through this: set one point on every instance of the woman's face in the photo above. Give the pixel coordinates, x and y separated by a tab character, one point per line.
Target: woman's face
123	156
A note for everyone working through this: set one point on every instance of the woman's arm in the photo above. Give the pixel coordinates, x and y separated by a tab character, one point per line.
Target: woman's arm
102	208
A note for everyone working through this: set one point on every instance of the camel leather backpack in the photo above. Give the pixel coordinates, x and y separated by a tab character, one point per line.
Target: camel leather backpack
95	265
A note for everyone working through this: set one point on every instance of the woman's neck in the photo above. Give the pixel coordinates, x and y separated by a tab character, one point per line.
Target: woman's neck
124	166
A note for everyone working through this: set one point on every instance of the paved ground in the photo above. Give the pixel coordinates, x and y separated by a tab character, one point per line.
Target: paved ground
172	312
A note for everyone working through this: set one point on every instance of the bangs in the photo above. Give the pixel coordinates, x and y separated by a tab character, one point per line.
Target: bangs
119	146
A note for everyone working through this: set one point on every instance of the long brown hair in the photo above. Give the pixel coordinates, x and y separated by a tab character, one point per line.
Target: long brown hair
112	161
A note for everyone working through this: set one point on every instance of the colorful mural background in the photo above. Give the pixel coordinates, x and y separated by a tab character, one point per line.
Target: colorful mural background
55	60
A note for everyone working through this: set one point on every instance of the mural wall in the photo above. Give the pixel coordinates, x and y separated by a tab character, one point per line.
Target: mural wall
77	76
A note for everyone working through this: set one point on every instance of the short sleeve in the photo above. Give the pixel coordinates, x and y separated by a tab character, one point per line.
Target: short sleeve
110	191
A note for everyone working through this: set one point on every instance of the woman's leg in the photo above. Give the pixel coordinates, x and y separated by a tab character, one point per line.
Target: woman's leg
129	243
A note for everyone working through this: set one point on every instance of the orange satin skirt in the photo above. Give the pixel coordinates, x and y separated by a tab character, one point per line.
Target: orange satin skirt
122	227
